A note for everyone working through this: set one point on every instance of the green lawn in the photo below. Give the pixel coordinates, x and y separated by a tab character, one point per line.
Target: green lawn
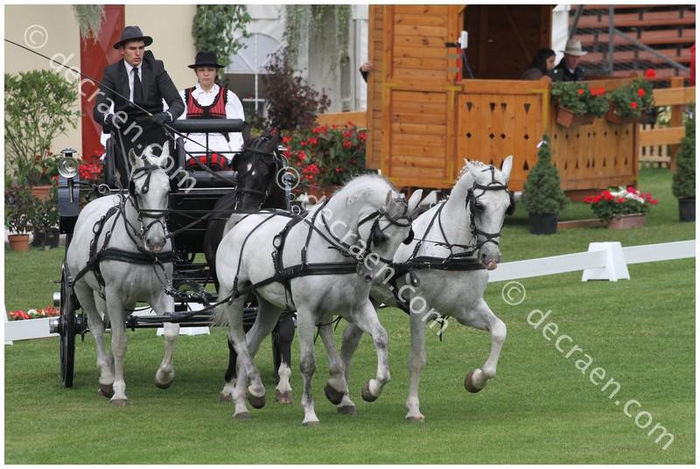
540	408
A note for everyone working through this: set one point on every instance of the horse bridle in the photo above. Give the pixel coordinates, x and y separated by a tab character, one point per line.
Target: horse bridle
471	203
278	162
158	216
376	234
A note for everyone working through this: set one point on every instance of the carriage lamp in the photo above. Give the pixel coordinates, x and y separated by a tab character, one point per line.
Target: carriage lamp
68	165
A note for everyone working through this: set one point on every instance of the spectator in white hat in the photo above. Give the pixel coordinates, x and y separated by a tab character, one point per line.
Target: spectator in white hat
568	68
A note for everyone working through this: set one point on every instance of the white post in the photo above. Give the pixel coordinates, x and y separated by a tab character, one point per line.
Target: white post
615	267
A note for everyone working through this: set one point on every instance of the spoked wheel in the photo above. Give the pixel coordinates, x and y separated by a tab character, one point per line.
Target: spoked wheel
66	326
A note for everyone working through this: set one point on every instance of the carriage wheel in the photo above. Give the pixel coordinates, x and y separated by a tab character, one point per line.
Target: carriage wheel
67	331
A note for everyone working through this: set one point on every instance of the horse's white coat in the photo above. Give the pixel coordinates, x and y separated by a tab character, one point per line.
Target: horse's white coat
316	297
457	294
125	283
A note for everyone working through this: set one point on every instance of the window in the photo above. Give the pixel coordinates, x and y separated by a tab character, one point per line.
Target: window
244	74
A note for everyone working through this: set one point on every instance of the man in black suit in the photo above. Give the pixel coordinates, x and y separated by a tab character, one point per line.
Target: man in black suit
139	79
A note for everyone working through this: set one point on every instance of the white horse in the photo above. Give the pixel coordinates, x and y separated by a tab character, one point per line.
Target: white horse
111	261
470	220
367	220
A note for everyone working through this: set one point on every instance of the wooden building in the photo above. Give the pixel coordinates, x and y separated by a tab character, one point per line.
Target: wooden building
424	118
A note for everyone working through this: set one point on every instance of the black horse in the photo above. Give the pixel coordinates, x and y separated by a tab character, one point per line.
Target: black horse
259	186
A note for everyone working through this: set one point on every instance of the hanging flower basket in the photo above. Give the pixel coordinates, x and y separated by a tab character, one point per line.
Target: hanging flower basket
566	118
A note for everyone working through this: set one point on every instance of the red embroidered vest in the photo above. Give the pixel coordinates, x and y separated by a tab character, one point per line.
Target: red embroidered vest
216	110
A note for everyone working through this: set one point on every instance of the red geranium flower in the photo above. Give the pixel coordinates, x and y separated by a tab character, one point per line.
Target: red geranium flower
634	105
621	200
640	92
594	92
650	73
601	91
580	91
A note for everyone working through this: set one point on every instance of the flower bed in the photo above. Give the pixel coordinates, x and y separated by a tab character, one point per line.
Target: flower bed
20	315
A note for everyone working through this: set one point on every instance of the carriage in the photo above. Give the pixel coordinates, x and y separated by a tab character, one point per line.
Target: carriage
190	208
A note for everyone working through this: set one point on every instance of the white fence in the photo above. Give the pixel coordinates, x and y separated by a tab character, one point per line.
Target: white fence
605	261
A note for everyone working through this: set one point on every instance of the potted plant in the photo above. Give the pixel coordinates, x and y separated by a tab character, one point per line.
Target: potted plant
45	222
632	103
577	104
38	107
623	208
542	194
19	211
684	177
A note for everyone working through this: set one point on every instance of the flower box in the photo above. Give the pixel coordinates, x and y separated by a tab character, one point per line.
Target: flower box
624	222
566	118
28	329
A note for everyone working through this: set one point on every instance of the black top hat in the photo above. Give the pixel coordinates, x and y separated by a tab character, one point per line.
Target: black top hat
205	59
133	33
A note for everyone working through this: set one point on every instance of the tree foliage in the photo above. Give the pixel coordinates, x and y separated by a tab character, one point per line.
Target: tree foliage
292	102
214	28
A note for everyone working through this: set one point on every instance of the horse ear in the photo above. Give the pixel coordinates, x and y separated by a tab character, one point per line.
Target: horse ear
165	152
506	167
414	201
246	134
389	198
133	158
425	204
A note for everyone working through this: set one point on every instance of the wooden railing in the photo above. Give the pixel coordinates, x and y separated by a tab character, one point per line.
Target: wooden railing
652	140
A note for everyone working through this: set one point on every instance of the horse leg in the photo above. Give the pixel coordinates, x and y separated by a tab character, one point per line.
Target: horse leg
236	335
226	393
115	309
307	365
351	340
336	386
282	337
265	321
416	362
481	317
166	371
87	299
368	321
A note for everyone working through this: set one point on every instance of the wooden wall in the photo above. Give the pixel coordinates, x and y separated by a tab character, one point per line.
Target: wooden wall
423	119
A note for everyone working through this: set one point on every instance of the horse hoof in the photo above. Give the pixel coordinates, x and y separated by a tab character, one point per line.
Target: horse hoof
313	423
163	385
223	397
256	402
333	395
415	419
284	397
242	416
469	383
106	390
118	402
366	395
346	410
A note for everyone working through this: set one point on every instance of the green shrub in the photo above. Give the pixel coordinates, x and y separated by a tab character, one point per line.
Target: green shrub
542	193
684	177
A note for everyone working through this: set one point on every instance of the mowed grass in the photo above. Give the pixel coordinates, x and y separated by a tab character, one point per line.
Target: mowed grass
540	409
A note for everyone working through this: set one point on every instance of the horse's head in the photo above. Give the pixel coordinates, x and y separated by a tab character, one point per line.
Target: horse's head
488	201
383	222
258	168
148	191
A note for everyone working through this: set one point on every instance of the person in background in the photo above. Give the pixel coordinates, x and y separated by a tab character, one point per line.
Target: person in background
568	69
365	68
541	65
209	100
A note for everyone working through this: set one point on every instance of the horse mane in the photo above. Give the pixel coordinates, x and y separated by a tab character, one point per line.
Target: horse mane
363	187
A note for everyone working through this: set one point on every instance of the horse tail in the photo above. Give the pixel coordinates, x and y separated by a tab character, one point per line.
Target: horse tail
219	317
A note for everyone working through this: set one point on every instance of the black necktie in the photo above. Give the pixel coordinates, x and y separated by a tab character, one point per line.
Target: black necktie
138	89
